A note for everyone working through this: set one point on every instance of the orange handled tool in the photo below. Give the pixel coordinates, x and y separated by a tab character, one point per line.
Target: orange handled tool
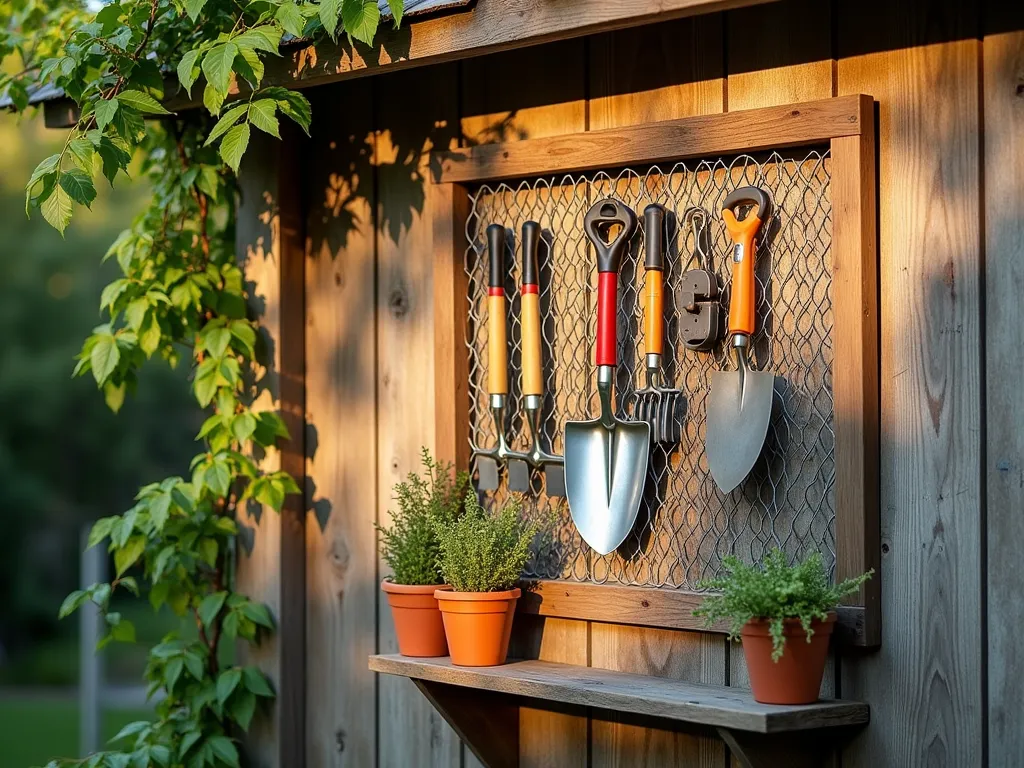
654	279
743	233
497	342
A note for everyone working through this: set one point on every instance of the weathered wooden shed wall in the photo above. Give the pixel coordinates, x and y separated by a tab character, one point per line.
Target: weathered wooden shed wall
948	78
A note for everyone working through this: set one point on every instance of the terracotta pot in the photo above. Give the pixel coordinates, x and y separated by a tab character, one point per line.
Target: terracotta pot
478	625
796	677
417	618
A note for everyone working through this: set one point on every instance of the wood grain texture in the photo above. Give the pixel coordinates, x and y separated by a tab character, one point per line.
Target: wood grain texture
510	97
779	54
271	568
639	694
746	131
668	654
487	723
1004	338
417	112
694	657
342	583
925	684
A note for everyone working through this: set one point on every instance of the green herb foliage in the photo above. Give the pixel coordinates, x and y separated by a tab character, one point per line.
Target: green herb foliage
180	296
482	551
409	545
774	591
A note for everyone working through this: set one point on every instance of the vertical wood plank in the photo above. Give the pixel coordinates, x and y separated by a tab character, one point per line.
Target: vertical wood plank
625	94
417	112
342	588
777	56
779	53
925	683
271	567
690	656
508	97
1004	338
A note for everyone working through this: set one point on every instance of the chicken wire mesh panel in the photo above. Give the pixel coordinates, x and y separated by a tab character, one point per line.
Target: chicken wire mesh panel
685	525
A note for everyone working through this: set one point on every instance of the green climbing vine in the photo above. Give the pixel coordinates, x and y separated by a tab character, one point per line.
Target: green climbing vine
180	297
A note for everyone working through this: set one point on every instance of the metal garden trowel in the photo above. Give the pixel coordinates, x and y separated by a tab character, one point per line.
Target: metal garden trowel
740	404
533	378
605	458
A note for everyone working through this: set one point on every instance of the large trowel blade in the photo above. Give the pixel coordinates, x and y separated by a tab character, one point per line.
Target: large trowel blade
739	411
605	470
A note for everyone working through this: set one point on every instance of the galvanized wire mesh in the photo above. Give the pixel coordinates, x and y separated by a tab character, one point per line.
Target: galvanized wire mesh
685	525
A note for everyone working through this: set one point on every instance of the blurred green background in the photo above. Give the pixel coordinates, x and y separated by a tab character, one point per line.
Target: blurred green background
64	458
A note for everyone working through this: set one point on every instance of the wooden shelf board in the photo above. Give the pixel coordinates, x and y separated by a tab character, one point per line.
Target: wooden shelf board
707	705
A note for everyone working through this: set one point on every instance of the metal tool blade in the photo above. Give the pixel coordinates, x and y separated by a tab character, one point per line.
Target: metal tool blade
518	475
739	411
487	473
554	480
605	471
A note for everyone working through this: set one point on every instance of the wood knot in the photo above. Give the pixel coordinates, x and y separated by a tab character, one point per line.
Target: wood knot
337	279
398	302
1020	89
795	113
645	603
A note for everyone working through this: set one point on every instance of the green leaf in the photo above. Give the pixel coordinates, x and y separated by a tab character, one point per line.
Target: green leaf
218	478
265	37
258	614
213	99
105	109
361	18
113	395
227	120
104	357
296	106
207	181
100	530
205	384
234	145
173	671
194	665
115	156
242	426
227	682
262	114
79	186
217	66
224	749
111	292
250	66
188	67
210	607
190	738
82	152
131	729
194	8
246	334
291	18
57	209
329	12
397	9
150	335
43	177
208	549
243	707
257	683
136	311
142	101
123	631
72	603
126	556
216	341
159	510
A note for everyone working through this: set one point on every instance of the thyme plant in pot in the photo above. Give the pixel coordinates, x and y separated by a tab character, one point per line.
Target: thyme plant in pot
409	546
785	615
482	556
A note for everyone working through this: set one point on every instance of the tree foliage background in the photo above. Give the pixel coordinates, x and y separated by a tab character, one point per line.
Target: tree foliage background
178	299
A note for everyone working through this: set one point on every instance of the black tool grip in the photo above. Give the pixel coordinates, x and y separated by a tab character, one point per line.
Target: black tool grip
604	213
654	237
531	242
752	195
496	256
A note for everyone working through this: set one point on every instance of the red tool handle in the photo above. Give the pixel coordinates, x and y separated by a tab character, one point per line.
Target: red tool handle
599	219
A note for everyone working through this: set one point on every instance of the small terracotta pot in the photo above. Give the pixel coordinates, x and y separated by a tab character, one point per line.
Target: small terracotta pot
478	625
796	677
417	618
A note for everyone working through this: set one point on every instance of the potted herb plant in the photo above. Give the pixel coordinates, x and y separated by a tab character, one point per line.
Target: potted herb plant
785	616
482	556
409	546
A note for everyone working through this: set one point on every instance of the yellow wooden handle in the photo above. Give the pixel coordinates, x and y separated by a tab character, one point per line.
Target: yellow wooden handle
532	376
654	315
497	346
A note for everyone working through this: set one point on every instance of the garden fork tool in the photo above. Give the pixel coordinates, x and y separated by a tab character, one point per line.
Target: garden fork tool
656	404
497	360
740	403
533	377
606	458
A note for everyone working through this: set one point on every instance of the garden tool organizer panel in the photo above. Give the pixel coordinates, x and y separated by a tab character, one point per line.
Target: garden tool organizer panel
813	485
